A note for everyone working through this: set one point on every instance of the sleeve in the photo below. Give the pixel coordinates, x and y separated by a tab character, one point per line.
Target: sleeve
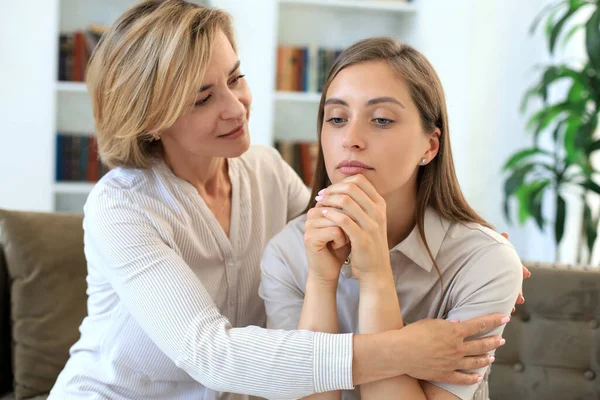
298	193
283	299
175	310
489	284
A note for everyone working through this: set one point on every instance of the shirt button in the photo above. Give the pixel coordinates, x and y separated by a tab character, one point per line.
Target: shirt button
589	375
518	367
593	324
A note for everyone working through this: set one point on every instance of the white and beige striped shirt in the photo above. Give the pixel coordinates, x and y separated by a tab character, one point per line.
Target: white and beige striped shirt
173	307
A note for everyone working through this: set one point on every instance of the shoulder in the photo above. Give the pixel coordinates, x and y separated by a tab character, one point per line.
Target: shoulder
483	251
124	191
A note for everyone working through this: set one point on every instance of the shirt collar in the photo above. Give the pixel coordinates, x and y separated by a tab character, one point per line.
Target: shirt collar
413	247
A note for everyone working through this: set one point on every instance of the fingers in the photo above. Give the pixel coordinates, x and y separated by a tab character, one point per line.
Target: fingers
350	207
345	222
520	299
475	362
505	235
352	186
483	324
526	273
317	239
462	378
479	347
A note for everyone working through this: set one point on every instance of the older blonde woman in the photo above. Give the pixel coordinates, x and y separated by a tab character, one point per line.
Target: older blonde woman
175	232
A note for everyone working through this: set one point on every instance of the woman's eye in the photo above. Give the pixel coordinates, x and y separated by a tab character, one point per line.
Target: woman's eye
336	120
237	79
203	101
383	121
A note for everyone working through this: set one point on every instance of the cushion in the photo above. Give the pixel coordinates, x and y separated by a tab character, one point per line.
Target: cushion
6	378
551	349
47	269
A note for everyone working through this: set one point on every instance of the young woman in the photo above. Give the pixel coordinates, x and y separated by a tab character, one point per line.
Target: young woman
387	212
175	232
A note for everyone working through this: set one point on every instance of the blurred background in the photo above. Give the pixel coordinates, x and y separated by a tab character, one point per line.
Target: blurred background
485	52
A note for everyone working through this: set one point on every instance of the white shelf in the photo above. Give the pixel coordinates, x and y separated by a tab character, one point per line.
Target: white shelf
73	187
381	5
73	87
302	97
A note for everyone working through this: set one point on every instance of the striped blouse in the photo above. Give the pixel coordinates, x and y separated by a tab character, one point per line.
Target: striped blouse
173	304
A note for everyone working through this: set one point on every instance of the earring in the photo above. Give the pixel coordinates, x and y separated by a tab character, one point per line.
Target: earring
424	161
155	136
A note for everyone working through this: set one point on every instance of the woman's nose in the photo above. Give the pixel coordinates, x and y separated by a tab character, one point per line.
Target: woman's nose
235	107
353	136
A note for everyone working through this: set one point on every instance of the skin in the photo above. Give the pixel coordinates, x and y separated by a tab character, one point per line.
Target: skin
369	118
196	151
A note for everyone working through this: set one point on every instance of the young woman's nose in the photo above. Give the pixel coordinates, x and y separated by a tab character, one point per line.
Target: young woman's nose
354	136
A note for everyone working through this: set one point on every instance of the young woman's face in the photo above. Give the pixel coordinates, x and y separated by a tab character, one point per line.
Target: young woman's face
217	125
370	118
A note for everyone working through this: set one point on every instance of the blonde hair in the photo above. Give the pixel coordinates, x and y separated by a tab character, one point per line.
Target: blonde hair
437	184
144	72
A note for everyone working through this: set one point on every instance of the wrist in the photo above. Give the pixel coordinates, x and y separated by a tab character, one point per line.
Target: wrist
320	284
377	357
376	282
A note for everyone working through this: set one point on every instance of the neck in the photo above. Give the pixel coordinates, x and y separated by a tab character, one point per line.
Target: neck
207	174
401	208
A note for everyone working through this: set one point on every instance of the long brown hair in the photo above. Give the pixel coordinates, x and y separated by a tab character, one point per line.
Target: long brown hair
437	185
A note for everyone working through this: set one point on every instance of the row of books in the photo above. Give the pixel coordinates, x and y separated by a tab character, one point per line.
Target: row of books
304	69
74	51
77	158
302	156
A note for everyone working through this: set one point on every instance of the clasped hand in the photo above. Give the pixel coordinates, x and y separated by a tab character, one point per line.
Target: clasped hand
349	216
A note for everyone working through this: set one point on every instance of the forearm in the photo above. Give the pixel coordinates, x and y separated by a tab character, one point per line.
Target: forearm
319	314
379	311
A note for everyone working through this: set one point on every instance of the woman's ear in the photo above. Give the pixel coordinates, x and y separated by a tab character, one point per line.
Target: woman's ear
434	145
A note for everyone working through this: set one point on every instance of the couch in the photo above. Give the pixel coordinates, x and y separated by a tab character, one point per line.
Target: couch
552	349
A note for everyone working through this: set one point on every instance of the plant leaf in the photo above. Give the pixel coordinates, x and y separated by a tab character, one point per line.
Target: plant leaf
558	27
559	222
592	38
521	155
570	34
590	225
593	146
591	185
512	184
535	201
538	18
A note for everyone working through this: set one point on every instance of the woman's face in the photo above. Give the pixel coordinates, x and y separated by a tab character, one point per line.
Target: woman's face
217	125
372	127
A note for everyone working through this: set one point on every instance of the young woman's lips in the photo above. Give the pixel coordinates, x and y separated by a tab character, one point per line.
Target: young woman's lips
234	134
353	168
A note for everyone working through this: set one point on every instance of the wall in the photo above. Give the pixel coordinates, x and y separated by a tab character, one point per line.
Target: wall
27	43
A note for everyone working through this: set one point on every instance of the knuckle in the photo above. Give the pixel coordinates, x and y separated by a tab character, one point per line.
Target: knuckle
344	200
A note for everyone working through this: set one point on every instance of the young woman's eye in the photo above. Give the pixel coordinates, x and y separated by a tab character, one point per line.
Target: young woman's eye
203	101
383	121
335	120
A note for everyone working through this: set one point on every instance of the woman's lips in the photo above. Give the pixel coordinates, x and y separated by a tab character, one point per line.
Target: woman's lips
236	133
353	167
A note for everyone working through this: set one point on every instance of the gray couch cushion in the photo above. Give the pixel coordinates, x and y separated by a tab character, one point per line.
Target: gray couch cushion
552	348
47	270
6	377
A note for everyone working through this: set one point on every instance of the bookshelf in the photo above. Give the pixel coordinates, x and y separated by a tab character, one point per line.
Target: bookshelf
73	112
362	5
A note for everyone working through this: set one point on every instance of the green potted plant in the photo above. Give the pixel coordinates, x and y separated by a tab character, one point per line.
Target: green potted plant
563	140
